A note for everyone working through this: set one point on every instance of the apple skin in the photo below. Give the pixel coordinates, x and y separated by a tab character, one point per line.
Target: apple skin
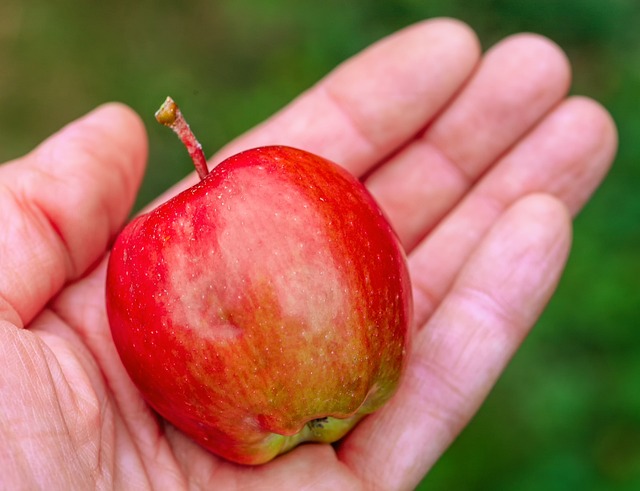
268	305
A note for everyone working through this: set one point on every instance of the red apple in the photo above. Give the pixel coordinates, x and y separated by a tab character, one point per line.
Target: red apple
266	306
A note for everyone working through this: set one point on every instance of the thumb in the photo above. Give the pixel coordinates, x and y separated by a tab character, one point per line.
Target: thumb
61	205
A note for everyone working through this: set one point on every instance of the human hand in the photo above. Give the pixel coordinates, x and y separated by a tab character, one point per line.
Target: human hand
478	162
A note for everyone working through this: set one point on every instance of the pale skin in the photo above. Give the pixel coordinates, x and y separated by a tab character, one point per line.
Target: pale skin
479	160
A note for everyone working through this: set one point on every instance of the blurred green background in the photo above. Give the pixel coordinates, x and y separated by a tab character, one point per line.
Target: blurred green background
566	415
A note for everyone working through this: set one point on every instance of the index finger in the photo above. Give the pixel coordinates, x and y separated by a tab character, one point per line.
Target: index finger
375	102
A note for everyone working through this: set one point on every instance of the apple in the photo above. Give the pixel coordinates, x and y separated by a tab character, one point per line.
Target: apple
266	306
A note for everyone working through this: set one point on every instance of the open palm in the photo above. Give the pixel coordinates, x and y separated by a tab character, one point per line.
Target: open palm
478	161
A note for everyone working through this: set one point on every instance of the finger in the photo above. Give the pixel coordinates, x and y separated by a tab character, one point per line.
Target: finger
517	83
455	361
566	155
374	102
61	205
379	99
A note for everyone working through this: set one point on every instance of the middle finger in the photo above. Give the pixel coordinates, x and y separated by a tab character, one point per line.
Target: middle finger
517	83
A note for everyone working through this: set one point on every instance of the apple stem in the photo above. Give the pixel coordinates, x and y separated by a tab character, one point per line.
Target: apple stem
170	115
